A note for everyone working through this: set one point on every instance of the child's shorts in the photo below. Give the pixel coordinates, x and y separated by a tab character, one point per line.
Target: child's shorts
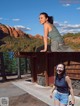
62	97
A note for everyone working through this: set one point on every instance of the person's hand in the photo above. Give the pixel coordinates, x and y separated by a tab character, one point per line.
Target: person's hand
43	50
73	101
51	96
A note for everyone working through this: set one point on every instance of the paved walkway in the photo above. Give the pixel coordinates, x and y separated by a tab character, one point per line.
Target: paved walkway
11	90
40	92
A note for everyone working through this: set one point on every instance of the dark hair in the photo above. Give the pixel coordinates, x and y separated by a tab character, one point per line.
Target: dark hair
50	18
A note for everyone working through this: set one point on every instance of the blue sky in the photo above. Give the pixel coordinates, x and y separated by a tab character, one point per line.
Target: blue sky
24	14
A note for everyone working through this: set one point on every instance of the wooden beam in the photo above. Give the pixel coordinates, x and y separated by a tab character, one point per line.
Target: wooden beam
33	69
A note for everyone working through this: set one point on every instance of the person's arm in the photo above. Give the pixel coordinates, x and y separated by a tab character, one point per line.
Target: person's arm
71	89
53	88
46	31
51	94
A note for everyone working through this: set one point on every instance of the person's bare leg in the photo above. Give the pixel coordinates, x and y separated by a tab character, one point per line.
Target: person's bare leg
56	103
62	104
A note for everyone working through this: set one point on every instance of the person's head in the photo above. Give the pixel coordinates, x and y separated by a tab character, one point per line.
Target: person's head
60	69
45	18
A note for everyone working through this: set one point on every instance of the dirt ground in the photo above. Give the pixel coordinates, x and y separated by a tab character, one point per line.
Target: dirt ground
26	100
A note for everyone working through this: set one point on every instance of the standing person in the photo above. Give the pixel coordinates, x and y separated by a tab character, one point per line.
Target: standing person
63	86
57	43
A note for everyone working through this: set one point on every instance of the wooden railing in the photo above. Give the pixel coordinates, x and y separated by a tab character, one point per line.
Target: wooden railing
46	63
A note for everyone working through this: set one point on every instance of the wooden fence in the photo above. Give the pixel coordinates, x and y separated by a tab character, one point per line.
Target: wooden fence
73	70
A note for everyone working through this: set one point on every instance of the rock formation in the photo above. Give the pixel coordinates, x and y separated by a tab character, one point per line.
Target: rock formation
10	31
14	32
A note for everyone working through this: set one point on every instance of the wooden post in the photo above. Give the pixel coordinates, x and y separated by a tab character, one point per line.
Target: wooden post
33	69
2	69
46	70
19	67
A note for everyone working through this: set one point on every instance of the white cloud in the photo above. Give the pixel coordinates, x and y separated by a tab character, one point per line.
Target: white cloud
6	19
1	18
23	28
66	5
64	31
56	23
78	8
65	22
67	28
16	19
